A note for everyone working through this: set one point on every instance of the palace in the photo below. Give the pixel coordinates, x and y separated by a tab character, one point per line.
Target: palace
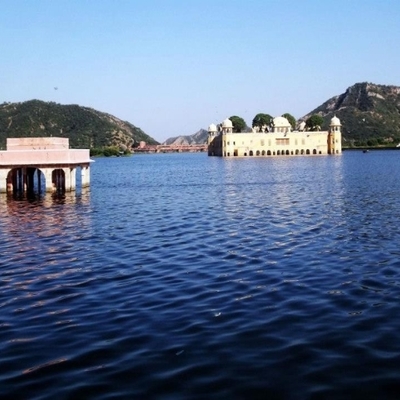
276	140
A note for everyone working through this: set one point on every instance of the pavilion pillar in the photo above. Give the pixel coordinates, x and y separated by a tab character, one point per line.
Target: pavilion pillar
24	179
72	173
85	176
67	182
88	176
50	186
4	181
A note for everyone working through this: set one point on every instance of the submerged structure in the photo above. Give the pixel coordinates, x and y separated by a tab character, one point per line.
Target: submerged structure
42	164
275	140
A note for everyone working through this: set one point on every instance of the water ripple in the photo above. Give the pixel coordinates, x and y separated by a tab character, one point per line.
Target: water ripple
183	276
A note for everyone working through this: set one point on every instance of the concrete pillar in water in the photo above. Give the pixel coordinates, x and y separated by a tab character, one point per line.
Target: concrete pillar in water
67	181
14	177
24	179
72	172
88	176
5	181
47	172
85	176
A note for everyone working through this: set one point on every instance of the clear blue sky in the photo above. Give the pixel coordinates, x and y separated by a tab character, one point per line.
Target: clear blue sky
172	67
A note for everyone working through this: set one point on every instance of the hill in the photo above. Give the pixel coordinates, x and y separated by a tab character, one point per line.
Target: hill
200	137
370	114
85	127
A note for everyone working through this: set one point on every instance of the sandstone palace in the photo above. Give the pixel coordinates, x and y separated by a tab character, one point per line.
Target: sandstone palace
277	140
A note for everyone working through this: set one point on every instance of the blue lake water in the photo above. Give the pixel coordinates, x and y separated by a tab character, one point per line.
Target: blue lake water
185	276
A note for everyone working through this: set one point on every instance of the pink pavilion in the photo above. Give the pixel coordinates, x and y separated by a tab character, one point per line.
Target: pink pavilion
42	162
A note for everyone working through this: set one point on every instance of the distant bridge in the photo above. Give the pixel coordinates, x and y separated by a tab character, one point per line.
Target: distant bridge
163	148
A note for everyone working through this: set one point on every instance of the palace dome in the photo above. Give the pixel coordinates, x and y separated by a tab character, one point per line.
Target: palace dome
212	128
280	122
335	121
227	123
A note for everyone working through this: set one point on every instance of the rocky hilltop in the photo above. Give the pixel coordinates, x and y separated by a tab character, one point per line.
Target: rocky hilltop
200	137
370	114
85	127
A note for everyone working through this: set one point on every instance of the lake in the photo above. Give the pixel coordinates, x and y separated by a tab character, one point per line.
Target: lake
183	276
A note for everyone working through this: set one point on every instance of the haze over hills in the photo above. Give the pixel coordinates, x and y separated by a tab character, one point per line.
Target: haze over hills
200	137
370	115
84	126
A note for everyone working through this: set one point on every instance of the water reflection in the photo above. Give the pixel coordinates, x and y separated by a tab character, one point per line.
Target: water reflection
47	199
50	216
15	203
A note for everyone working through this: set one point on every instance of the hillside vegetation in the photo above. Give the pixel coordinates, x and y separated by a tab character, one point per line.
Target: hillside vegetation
370	114
85	127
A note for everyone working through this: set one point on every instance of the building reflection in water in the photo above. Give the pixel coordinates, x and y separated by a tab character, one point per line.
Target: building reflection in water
286	197
34	229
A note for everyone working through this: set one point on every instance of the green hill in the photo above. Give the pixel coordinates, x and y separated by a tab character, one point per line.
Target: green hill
370	114
85	127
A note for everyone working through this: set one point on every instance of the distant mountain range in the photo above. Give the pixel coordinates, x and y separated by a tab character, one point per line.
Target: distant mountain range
200	137
84	126
370	115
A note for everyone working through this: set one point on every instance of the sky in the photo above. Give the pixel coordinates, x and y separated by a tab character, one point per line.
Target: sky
172	67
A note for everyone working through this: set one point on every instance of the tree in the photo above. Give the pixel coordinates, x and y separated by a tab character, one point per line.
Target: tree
238	123
314	122
291	119
261	120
